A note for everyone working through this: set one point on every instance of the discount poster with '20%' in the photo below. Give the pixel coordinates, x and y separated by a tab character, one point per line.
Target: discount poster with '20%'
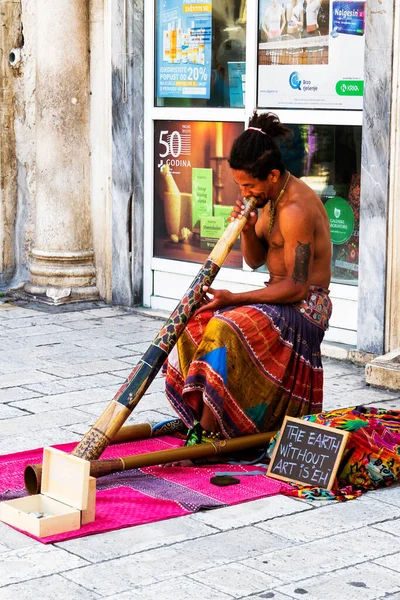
184	49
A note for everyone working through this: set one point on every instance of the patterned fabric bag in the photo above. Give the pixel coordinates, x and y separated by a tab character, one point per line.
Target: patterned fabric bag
372	455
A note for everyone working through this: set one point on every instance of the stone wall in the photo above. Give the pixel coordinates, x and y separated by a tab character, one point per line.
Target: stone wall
127	18
17	115
116	145
10	36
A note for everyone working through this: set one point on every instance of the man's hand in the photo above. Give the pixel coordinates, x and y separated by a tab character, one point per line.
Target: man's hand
221	299
237	213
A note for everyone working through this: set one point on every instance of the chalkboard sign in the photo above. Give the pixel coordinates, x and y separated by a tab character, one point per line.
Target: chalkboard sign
307	453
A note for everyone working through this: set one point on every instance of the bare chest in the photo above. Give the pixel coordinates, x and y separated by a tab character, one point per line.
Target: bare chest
270	230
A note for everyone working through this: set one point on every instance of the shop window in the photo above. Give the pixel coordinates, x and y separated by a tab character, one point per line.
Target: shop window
200	53
327	158
194	191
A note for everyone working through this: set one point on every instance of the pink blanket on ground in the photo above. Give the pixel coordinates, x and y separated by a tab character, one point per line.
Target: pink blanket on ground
145	495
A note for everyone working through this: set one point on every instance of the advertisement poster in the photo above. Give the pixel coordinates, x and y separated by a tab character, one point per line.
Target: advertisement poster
194	191
237	84
341	219
345	246
184	48
311	54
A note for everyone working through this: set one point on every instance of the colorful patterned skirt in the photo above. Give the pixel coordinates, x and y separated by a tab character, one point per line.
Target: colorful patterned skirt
250	365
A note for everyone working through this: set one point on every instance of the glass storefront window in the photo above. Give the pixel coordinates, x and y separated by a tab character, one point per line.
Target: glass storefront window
200	53
328	158
194	191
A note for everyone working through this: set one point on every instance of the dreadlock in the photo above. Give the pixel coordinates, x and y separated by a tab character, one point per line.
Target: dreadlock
255	150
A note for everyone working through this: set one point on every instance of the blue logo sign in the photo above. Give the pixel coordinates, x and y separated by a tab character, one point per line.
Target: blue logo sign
295	81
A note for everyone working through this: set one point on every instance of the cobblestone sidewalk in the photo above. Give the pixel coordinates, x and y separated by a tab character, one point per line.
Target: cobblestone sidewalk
59	368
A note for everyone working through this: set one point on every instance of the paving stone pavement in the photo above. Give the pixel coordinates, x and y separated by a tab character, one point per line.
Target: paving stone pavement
59	367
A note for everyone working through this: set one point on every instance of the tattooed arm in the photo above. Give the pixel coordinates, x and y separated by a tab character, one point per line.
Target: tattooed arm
297	230
301	262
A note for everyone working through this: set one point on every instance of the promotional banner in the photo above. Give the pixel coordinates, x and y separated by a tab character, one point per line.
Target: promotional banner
194	191
311	54
184	48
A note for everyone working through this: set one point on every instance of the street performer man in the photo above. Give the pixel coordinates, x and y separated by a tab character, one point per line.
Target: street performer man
245	360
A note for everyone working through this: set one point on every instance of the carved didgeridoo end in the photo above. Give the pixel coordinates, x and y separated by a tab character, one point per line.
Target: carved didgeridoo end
33	479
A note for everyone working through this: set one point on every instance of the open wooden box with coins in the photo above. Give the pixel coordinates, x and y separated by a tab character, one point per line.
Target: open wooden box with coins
67	499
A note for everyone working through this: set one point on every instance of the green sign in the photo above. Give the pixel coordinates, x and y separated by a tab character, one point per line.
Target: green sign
341	219
202	194
211	229
223	211
347	87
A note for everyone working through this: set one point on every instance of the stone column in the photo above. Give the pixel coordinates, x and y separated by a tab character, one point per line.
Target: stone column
385	370
392	329
62	269
375	175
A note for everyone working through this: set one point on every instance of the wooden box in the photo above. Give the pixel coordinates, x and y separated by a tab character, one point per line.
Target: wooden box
67	498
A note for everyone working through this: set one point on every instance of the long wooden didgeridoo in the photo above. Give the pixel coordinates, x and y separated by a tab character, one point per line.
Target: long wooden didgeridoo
142	431
100	468
129	433
119	409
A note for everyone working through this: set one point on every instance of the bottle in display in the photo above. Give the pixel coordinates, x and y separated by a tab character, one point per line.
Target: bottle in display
201	47
194	43
172	203
179	42
166	43
172	51
185	48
